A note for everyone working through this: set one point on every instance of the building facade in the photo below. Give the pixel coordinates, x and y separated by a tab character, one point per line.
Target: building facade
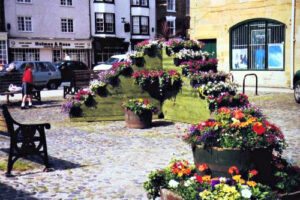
172	18
117	25
48	30
251	36
3	36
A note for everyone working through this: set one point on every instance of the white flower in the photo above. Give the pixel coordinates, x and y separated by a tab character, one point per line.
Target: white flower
246	193
187	183
223	179
173	183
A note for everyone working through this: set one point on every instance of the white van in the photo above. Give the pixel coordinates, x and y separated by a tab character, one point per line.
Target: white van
109	63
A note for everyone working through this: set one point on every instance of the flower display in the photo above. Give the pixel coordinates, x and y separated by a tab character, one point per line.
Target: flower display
164	80
236	129
136	54
139	106
195	67
122	68
215	89
201	78
175	45
107	75
141	46
193	186
227	100
95	84
186	54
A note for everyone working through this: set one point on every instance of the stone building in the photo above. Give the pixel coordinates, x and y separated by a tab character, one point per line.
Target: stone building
117	25
251	36
3	36
174	14
48	30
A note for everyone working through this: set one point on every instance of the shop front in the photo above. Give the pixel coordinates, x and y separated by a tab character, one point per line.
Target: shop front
50	50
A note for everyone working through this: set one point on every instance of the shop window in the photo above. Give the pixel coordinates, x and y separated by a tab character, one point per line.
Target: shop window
66	2
67	25
25	54
104	22
140	25
23	1
104	1
24	24
77	54
171	22
171	5
142	3
257	45
56	55
3	52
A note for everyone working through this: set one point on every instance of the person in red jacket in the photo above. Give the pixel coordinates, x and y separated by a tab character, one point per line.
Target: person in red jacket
27	85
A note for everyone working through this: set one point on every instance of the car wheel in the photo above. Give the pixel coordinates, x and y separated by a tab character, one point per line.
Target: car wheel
297	91
52	85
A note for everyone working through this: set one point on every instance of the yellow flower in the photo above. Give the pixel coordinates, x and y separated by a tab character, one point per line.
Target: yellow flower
251	183
180	174
236	178
205	194
141	100
206	178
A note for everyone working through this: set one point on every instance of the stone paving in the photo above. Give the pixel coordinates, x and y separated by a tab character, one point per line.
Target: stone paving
105	160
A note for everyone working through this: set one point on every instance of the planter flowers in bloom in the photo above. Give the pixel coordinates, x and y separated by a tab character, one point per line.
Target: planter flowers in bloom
181	178
139	106
237	128
196	66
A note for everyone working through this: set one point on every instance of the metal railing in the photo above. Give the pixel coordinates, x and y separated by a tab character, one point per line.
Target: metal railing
256	83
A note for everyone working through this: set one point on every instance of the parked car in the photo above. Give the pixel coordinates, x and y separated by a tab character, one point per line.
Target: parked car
67	67
296	83
44	73
109	63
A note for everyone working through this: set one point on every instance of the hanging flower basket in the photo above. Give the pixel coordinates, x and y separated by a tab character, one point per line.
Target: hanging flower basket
139	61
177	61
151	51
168	51
102	91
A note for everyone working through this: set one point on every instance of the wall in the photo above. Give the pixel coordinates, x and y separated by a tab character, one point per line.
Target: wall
46	18
213	19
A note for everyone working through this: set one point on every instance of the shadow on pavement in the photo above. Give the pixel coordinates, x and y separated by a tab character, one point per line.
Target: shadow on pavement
161	123
8	192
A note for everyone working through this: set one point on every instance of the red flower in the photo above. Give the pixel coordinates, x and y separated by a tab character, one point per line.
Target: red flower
202	167
198	178
233	170
238	114
146	101
259	128
224	109
253	172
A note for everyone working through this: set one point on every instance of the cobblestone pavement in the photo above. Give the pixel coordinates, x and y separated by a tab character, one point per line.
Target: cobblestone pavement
105	160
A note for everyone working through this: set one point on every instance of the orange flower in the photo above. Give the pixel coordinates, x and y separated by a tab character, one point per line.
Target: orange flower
202	167
224	110
259	128
233	170
242	181
251	183
238	114
188	171
253	172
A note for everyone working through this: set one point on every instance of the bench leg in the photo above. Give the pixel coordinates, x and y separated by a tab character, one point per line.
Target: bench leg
45	153
7	99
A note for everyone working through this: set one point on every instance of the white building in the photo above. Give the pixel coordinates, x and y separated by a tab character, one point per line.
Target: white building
47	30
117	25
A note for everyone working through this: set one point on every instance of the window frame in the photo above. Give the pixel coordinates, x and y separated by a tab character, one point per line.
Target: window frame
267	21
174	3
140	27
67	25
23	2
104	1
139	5
66	3
105	24
24	24
171	19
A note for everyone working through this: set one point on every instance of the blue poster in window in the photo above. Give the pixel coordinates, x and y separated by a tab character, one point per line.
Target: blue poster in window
275	58
260	58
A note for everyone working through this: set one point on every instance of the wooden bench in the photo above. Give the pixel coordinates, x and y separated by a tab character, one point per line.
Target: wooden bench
80	79
25	139
14	78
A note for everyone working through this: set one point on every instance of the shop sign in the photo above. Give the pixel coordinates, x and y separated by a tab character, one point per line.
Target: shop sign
50	44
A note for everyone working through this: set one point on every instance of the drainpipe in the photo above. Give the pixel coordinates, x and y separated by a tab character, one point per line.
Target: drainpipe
292	43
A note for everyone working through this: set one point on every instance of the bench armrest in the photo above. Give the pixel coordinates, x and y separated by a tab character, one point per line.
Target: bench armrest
44	125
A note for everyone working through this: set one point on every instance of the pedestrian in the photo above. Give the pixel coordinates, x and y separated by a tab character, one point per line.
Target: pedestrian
27	85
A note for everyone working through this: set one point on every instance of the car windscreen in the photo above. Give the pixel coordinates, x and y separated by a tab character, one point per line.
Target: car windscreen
111	61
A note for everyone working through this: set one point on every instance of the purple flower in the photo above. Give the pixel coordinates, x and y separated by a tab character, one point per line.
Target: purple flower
214	182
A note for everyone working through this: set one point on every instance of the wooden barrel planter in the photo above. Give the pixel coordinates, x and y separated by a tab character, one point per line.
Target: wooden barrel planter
138	121
219	160
166	194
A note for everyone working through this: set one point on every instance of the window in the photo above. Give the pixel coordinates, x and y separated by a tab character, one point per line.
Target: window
143	3
24	24
104	23
23	1
105	1
171	21
187	7
140	25
3	52
77	54
257	45
25	54
171	5
67	25
66	2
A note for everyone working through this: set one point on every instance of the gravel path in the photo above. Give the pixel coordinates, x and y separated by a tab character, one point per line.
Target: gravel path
105	160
